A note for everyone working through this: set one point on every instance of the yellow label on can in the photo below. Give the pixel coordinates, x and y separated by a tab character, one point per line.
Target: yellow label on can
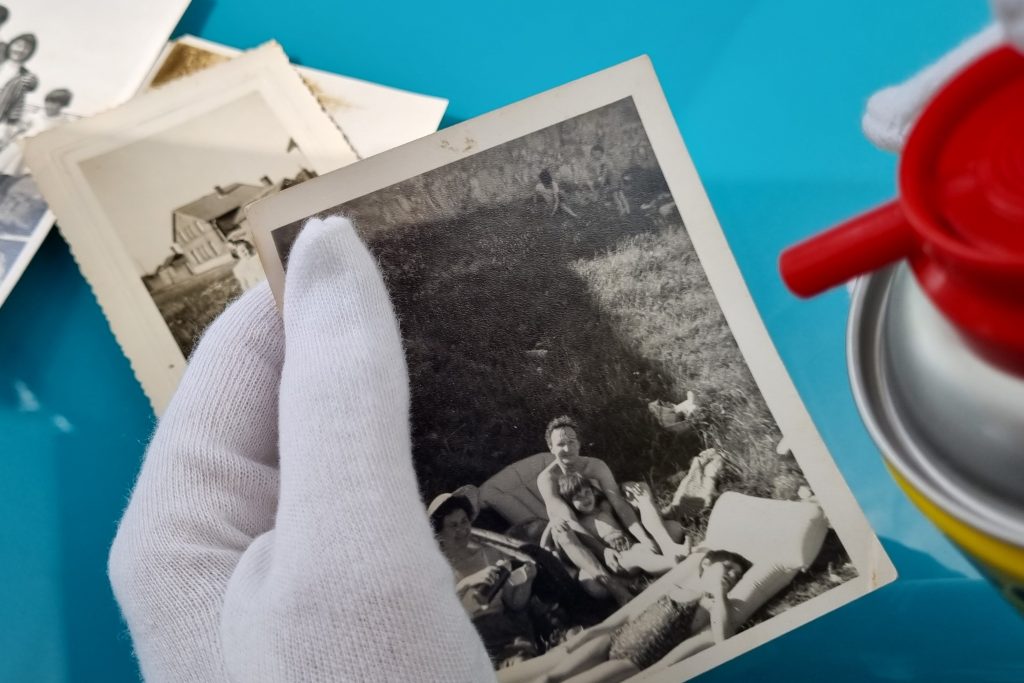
1001	562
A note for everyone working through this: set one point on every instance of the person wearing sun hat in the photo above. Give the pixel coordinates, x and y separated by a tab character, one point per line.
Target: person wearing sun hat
495	596
465	497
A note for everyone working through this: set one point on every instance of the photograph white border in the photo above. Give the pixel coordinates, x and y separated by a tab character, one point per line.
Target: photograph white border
55	157
633	79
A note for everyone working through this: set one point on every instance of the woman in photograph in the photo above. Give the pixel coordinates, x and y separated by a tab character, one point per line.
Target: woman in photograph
494	595
16	81
629	642
247	270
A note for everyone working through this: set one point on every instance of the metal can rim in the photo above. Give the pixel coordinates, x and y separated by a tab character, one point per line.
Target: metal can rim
863	336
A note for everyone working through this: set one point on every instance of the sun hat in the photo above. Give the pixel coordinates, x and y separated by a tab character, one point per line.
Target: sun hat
466	497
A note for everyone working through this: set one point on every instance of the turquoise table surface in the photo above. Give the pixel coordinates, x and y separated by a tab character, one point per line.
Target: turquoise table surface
768	96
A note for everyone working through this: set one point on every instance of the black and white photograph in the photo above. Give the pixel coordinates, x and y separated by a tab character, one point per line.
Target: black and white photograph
57	64
211	259
19	114
21	206
156	219
605	476
16	82
195	253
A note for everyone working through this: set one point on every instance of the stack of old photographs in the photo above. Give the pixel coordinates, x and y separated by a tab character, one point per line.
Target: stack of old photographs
618	468
150	195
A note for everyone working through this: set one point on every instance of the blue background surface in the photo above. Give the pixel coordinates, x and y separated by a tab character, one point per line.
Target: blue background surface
768	96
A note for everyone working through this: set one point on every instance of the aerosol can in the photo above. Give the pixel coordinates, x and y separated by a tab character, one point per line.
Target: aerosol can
936	330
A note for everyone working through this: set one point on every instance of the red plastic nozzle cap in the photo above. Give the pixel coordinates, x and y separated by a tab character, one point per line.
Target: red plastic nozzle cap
978	183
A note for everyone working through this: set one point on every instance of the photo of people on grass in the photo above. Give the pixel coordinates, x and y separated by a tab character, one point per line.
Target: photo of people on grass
598	464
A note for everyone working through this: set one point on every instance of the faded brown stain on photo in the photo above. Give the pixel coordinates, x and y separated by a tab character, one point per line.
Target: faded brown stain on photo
326	100
185	60
467	146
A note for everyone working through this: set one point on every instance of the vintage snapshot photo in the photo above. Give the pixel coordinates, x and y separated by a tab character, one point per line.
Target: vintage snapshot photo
60	61
373	117
614	461
150	197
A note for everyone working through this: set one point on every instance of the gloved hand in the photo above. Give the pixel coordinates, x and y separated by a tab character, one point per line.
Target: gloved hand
891	112
276	532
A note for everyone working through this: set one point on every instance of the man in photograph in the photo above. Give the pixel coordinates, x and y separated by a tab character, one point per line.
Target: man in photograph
562	437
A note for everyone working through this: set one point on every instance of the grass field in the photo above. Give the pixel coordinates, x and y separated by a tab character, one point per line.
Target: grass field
189	307
511	317
653	290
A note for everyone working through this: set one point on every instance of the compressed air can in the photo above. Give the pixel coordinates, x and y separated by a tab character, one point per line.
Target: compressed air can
949	423
936	332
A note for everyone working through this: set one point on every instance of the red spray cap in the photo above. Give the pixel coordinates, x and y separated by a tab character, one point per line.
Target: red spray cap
959	218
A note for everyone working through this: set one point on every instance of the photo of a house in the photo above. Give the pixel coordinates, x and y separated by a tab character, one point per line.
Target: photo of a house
211	259
207	232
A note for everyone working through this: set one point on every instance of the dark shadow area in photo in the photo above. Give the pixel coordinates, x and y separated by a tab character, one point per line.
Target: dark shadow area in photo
502	335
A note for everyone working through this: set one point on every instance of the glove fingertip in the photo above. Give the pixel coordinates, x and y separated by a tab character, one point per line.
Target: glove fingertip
322	244
247	332
330	262
887	120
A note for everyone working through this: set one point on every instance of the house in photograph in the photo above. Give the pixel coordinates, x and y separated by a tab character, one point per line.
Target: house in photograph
201	228
207	232
204	230
174	269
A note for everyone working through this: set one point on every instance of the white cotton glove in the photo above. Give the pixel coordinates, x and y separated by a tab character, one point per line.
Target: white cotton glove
276	532
891	112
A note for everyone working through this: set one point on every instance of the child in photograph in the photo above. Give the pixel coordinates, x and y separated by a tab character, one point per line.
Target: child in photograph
54	104
552	194
606	182
597	527
53	113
